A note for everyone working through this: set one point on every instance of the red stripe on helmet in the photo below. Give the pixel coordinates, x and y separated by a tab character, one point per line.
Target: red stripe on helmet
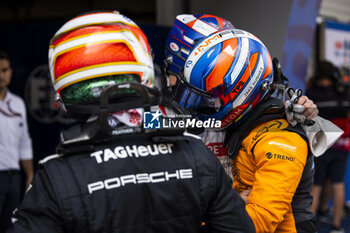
220	21
182	37
92	55
207	16
190	24
233	115
256	100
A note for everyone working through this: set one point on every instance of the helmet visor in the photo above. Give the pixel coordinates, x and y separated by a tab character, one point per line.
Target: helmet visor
90	90
191	98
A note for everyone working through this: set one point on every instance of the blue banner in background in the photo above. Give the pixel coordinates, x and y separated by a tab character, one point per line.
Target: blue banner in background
299	40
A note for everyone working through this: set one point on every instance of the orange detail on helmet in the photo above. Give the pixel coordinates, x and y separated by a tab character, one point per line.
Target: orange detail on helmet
87	31
246	75
268	67
96	50
221	21
223	64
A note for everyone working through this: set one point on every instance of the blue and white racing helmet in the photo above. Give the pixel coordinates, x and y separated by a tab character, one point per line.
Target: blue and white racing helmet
226	75
186	32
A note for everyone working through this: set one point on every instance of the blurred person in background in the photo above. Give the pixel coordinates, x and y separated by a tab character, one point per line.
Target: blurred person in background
330	90
110	174
15	145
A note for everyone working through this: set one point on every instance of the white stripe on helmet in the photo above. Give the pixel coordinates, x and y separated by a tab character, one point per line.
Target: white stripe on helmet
94	18
189	40
244	53
100	71
254	79
203	28
124	36
202	48
186	18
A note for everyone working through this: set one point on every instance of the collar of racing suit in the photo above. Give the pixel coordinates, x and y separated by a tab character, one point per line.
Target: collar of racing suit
269	110
84	137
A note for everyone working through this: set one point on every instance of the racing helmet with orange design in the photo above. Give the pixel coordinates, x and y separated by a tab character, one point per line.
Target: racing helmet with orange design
226	76
95	52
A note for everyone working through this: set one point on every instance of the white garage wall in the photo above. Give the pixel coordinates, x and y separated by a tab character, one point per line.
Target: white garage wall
336	9
339	10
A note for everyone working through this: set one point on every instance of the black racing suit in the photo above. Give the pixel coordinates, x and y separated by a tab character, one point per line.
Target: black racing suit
132	183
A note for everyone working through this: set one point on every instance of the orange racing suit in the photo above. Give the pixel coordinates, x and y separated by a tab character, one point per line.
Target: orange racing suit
273	162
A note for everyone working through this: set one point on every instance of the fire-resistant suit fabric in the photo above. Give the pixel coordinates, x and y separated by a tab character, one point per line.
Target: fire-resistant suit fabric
133	183
274	163
213	139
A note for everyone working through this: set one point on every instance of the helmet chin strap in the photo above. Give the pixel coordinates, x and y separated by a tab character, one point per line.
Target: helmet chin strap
99	129
269	110
145	99
279	84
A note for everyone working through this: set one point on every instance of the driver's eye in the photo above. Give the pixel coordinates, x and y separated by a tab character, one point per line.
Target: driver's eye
4	70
